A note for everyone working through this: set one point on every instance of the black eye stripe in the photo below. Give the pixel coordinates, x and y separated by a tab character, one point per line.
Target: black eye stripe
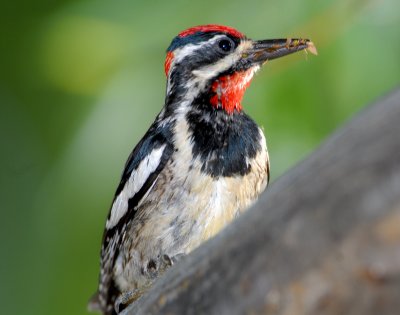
225	45
199	37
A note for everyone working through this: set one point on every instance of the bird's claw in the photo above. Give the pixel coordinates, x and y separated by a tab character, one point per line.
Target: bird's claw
127	298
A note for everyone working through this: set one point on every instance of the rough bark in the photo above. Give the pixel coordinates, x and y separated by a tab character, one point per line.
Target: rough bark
323	239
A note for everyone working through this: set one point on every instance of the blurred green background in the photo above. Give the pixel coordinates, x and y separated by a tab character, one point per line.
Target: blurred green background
81	81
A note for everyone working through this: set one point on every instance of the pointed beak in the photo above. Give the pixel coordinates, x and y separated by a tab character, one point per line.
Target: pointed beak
263	50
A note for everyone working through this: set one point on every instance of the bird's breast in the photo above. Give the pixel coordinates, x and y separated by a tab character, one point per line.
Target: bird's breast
194	204
185	208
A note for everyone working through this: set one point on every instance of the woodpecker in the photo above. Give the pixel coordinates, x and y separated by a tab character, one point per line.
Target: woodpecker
199	166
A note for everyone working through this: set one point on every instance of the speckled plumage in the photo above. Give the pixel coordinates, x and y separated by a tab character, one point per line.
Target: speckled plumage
202	162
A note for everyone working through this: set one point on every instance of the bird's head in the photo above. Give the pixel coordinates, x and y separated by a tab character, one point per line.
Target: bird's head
219	62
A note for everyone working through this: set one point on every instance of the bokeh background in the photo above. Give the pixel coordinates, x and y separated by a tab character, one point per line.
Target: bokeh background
81	81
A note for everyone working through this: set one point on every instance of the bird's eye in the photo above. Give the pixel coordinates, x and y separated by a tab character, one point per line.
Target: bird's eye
225	45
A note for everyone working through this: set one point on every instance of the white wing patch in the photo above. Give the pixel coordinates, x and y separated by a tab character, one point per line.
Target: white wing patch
135	182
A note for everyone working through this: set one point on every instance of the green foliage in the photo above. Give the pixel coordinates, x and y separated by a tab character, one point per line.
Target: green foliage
81	81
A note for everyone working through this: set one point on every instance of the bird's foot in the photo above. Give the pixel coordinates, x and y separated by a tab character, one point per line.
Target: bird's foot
129	297
153	271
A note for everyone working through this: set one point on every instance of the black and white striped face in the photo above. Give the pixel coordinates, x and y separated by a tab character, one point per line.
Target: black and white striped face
221	62
210	50
207	52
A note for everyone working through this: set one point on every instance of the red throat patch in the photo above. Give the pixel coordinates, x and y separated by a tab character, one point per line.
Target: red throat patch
229	90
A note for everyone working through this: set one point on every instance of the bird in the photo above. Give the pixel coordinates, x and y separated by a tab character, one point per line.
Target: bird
202	162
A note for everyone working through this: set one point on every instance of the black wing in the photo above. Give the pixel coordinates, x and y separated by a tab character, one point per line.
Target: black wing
142	168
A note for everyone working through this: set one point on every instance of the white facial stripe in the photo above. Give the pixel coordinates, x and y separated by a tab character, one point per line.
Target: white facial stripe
135	182
181	53
249	76
210	71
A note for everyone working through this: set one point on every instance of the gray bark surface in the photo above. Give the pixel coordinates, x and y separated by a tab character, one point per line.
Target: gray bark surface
323	239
